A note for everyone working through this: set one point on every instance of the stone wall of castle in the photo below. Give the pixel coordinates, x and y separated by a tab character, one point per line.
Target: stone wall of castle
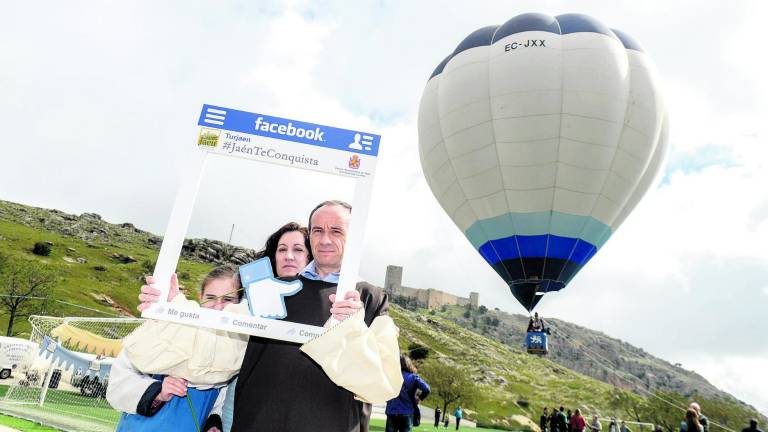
431	298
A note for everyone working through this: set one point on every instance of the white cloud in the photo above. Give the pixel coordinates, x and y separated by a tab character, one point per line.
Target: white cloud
742	376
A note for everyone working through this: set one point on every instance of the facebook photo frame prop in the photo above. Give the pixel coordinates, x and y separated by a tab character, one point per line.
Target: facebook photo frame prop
267	139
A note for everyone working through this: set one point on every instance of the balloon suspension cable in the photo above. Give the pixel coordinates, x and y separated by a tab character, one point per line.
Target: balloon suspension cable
607	362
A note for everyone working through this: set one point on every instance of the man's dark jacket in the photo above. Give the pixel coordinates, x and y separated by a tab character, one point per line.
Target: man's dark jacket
282	389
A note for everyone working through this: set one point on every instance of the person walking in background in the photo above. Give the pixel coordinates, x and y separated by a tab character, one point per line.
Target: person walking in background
554	421
544	420
703	420
569	418
400	410
459	415
577	422
691	423
752	427
437	417
446	420
624	427
595	426
613	426
562	421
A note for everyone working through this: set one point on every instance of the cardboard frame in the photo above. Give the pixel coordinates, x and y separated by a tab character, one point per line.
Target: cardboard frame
267	139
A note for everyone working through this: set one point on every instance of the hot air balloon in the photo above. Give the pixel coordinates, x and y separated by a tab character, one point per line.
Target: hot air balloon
538	137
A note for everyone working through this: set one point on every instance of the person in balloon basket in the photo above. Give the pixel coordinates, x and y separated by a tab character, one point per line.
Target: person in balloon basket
535	324
156	402
400	410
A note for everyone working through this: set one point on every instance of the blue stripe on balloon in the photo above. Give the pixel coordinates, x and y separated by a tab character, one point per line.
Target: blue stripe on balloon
628	41
479	37
527	22
579	23
561	24
540	246
439	69
560	224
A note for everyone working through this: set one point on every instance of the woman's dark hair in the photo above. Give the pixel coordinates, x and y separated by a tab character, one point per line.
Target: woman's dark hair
270	247
227	271
406	364
692	421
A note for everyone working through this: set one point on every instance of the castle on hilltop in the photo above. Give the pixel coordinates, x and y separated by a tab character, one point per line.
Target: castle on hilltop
429	298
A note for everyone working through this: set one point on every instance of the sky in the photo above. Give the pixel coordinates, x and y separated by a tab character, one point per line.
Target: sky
100	102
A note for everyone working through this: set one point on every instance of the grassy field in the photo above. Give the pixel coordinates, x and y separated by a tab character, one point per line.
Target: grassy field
23	425
378	426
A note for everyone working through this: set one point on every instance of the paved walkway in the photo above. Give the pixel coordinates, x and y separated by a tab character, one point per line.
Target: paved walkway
7	429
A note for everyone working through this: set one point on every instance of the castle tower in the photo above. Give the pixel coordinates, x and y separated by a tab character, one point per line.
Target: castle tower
474	299
394	279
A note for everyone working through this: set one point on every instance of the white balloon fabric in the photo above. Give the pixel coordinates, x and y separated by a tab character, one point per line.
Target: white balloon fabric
538	138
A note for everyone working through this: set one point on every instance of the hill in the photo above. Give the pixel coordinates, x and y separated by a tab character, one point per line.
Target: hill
101	265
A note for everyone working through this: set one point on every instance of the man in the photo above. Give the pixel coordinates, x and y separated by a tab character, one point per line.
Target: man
280	388
595	426
554	421
702	418
562	421
752	427
543	420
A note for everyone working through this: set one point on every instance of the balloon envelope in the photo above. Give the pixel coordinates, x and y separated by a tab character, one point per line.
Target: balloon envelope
538	137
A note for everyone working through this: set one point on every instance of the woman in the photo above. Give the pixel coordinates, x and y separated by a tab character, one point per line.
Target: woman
289	252
156	402
691	423
400	410
577	422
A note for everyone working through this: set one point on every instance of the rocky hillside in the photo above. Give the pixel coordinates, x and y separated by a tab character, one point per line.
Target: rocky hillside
590	352
95	232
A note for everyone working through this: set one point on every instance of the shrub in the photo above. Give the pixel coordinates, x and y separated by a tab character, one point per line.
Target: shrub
42	249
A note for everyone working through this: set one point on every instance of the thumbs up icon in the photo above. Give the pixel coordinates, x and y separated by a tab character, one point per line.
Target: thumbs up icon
265	294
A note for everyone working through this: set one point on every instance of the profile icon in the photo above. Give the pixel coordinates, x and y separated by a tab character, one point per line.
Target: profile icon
356	145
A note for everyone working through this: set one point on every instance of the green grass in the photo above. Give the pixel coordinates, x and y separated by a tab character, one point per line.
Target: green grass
23	425
77	281
378	426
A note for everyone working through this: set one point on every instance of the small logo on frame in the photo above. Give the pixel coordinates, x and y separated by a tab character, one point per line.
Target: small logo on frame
354	162
208	137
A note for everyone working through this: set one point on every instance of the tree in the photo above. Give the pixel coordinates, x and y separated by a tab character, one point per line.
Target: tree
449	384
631	404
660	412
25	286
